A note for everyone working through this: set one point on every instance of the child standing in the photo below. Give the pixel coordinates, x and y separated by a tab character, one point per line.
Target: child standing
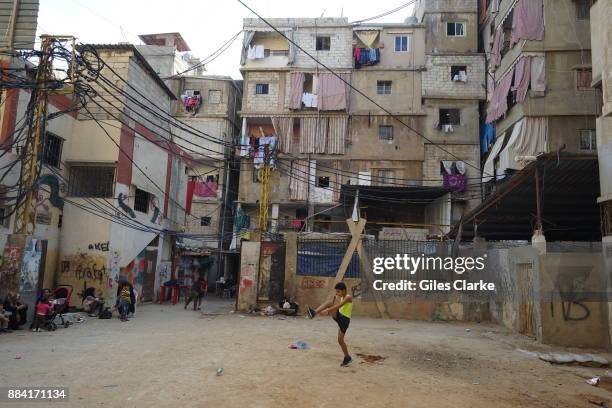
125	298
196	288
341	312
43	308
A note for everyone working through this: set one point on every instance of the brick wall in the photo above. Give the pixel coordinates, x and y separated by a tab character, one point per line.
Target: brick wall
339	54
434	155
437	78
262	103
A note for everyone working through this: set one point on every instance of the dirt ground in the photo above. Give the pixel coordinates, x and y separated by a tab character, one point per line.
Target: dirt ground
167	356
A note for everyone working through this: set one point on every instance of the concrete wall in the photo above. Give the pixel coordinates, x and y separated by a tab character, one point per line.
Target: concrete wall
389	58
249	267
601	41
365	143
273	102
574	317
405	95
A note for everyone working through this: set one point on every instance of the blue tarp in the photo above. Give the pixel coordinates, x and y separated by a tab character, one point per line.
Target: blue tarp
318	259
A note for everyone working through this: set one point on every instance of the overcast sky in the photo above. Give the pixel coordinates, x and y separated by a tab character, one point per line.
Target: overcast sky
204	24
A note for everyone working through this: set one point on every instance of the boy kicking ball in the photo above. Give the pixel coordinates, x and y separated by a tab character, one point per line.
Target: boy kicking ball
341	313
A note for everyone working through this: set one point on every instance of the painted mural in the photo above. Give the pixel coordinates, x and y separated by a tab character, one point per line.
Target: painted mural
31	264
135	271
11	264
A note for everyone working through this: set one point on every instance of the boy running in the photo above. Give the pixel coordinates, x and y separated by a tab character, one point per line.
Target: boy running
341	313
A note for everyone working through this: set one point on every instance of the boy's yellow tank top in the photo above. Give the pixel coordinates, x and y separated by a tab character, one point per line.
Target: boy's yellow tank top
346	309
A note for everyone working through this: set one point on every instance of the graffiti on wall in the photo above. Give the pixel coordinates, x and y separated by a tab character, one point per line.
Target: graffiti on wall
30	267
165	271
571	284
85	270
99	246
247	277
11	264
113	269
135	270
313	283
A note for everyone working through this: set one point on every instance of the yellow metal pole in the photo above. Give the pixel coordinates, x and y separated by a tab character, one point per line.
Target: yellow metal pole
25	212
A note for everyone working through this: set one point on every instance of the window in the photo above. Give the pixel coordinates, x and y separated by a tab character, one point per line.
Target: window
583	9
214	96
323	181
91	181
52	150
584	77
383	87
588	139
141	201
261	89
323	43
5	218
455	29
449	117
275	53
459	73
205	221
401	43
385	177
385	132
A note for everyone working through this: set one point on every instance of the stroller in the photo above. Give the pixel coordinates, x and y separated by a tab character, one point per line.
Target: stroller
62	295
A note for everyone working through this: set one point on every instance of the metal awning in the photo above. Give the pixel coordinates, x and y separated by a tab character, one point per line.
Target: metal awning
568	186
409	195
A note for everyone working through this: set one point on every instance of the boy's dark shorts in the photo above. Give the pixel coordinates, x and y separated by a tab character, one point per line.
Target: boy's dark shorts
343	321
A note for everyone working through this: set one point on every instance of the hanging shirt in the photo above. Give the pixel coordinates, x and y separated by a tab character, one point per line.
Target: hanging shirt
251	52
259	51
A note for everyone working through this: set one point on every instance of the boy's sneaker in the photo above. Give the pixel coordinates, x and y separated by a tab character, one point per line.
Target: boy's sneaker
347	360
311	312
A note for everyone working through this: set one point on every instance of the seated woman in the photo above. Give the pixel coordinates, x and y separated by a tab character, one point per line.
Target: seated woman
91	304
19	311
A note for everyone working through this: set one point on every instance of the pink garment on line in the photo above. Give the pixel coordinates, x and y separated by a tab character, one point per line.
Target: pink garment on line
206	189
332	92
522	78
498	44
528	21
499	102
297	89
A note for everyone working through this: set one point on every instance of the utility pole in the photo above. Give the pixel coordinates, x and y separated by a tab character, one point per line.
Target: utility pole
25	213
31	155
264	178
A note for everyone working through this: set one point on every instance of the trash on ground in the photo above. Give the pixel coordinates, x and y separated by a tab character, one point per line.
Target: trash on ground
593	381
589	360
268	311
298	345
220	371
18	356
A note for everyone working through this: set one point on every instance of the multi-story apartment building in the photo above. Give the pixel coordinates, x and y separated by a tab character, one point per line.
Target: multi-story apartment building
601	44
539	81
288	94
453	90
335	139
208	130
112	190
207	126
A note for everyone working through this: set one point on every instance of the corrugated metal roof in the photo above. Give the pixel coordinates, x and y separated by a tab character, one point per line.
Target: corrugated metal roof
569	189
25	23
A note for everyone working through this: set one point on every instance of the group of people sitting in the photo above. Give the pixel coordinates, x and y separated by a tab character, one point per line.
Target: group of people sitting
14	313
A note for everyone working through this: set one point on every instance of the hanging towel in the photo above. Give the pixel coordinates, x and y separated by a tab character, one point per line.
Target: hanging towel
259	51
528	21
251	53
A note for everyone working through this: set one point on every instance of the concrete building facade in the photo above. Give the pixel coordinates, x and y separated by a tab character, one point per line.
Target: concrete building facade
540	96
